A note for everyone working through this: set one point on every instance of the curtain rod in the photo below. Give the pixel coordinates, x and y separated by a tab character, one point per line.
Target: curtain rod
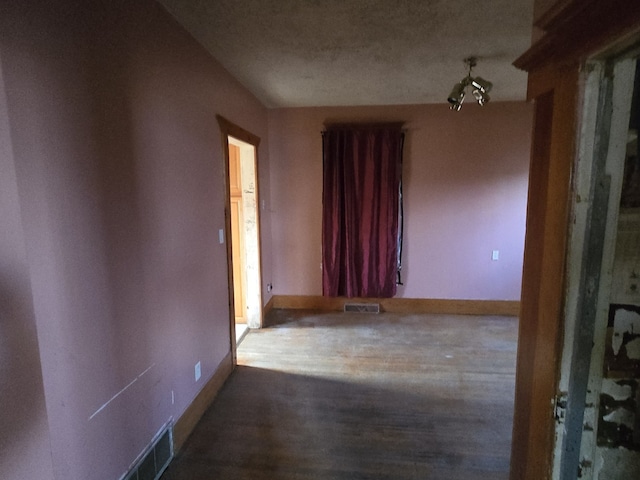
329	125
363	126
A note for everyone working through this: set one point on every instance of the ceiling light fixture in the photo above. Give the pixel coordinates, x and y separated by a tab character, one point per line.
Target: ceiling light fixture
481	87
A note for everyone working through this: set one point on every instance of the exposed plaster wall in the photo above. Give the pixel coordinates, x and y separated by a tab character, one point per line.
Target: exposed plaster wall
625	464
618	439
618	429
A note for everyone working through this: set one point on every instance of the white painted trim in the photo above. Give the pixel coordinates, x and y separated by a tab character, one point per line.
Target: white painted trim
578	227
624	76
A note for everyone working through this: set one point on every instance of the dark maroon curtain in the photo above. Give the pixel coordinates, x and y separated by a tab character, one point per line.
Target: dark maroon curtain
360	218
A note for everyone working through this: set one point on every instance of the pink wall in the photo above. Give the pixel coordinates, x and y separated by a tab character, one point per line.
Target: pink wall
465	186
119	188
24	434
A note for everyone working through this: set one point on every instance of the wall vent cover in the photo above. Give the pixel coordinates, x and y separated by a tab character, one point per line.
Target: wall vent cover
362	307
154	460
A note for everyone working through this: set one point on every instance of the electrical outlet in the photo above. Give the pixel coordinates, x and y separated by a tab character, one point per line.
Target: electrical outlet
495	255
173	398
269	287
198	371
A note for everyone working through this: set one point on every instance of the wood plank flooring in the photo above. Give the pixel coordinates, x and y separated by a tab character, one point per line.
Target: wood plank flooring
362	396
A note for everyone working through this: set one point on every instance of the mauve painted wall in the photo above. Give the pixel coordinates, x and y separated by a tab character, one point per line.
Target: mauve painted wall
465	188
24	435
119	186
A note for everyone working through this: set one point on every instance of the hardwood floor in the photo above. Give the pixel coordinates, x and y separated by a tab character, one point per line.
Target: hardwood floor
362	396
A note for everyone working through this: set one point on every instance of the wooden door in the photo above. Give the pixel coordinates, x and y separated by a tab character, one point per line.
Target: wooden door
237	237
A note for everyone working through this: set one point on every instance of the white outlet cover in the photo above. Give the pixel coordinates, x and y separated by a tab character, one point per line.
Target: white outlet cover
495	255
198	371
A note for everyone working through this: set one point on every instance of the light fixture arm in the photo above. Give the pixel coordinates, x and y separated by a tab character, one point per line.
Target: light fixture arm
480	86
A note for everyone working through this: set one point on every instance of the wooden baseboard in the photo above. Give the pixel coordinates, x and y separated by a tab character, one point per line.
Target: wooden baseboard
192	415
267	308
401	305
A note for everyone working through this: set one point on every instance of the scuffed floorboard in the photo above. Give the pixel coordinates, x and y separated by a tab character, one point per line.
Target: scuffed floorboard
360	396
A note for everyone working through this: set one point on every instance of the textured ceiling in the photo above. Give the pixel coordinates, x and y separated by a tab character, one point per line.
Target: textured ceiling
295	53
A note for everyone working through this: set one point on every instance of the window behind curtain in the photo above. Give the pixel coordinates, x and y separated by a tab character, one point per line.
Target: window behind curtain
362	168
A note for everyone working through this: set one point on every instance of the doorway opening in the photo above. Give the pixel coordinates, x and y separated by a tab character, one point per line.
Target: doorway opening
242	230
244	236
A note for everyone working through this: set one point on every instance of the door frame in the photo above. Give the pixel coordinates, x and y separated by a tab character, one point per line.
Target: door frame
230	129
569	33
608	88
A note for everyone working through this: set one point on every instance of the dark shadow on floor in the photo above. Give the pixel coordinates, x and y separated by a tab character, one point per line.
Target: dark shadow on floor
267	424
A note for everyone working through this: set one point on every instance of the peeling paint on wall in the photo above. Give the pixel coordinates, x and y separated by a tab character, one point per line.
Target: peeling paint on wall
622	349
617	419
619	404
625	321
617	452
616	390
627	464
622	417
633	349
618	437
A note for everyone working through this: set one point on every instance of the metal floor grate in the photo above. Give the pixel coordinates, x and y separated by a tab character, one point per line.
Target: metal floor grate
362	307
